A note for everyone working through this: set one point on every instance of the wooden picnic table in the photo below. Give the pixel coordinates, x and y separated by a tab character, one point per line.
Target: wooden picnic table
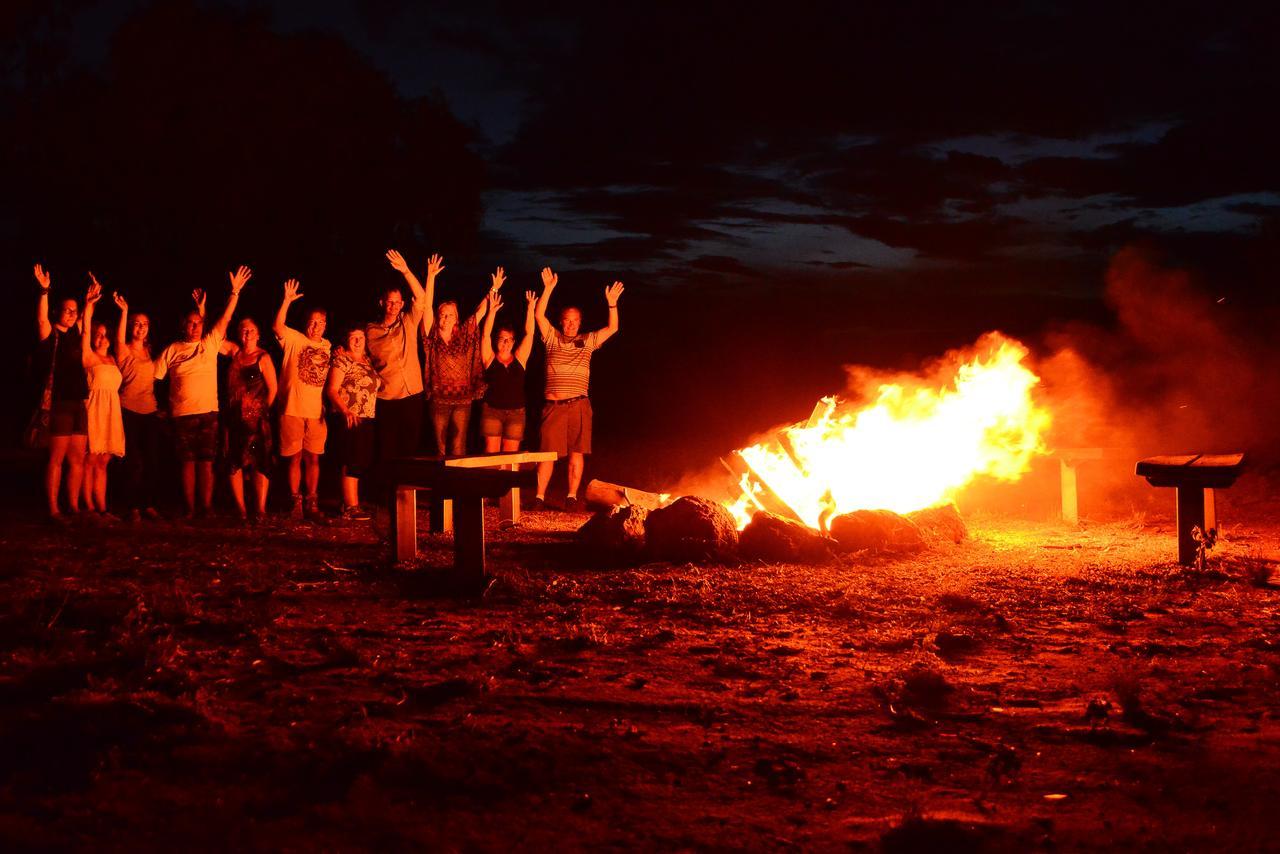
459	485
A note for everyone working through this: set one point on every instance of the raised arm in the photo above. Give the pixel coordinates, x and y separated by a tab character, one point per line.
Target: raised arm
199	297
238	280
91	298
423	298
402	267
611	295
122	327
525	348
549	282
292	293
496	278
43	326
486	334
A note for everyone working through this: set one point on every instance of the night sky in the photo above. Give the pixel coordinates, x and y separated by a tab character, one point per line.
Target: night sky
781	186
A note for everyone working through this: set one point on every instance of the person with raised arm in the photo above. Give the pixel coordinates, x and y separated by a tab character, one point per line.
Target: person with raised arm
454	370
303	372
105	426
393	346
246	430
353	391
566	413
191	364
62	406
502	417
139	411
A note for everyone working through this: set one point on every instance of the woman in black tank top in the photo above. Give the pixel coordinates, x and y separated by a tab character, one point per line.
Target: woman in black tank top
502	421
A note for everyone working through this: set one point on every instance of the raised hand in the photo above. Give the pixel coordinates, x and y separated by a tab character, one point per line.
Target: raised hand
435	266
43	277
549	279
120	301
397	261
531	297
497	278
292	291
495	302
239	279
611	294
198	297
94	293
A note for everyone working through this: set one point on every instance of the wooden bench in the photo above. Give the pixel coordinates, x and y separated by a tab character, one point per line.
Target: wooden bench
1195	477
460	485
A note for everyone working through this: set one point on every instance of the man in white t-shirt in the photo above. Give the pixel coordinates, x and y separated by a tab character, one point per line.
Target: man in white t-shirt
302	378
192	368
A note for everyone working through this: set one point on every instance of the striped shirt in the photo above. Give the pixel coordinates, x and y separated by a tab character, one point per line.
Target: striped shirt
568	363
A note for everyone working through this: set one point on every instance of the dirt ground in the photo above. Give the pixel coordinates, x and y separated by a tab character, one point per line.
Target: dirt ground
285	687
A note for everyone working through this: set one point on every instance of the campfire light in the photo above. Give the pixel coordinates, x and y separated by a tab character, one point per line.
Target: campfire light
917	443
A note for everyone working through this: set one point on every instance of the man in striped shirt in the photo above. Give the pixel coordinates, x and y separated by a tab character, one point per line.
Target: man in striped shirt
566	412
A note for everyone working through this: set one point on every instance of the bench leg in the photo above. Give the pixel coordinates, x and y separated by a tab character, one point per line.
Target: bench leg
509	504
468	539
1191	514
441	516
404	523
1070	501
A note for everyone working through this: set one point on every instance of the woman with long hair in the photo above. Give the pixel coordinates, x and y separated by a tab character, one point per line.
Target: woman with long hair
353	390
139	410
105	425
502	418
247	439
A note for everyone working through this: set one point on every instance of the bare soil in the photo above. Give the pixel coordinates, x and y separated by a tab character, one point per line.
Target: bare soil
285	687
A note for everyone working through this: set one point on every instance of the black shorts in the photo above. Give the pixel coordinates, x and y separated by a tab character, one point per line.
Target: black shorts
353	446
195	437
68	418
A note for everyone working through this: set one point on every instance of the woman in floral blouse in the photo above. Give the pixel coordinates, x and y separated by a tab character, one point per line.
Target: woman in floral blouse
353	389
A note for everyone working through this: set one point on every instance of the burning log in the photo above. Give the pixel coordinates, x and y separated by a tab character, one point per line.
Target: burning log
775	538
941	523
604	494
618	531
691	528
876	530
761	494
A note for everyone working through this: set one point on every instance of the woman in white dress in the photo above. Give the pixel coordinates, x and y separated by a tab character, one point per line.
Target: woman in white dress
106	425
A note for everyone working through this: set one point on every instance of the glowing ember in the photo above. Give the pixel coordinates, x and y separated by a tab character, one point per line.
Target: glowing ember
917	444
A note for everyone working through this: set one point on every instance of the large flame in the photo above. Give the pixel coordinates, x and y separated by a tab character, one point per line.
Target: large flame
915	445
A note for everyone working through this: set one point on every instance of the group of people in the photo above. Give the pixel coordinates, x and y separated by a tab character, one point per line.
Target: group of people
99	398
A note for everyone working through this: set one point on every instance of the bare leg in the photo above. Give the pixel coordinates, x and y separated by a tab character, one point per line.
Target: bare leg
295	473
87	481
100	481
236	479
189	485
75	469
313	472
205	469
493	443
350	489
263	485
510	445
53	470
544	477
575	472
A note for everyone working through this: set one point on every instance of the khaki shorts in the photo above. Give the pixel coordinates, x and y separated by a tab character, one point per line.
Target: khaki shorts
566	426
302	434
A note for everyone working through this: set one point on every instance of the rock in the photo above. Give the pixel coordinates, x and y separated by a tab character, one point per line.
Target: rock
618	531
776	538
941	523
877	530
691	528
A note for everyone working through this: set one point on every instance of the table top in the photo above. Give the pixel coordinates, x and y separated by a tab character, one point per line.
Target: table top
481	461
1206	470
